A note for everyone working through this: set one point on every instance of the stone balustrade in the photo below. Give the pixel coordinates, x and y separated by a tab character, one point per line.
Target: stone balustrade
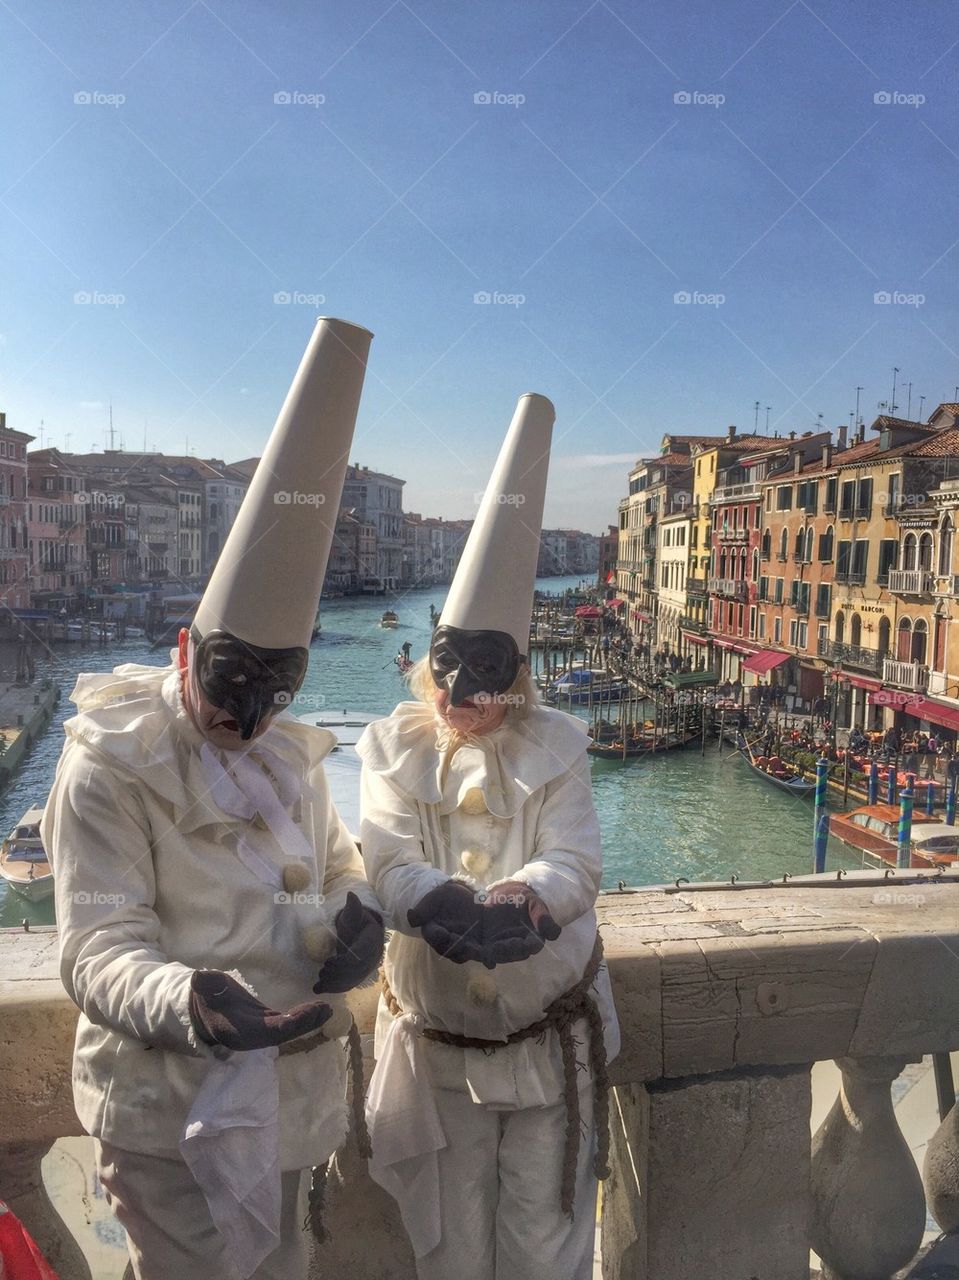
727	995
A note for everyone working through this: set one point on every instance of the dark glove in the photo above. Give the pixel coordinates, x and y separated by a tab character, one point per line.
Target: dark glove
451	919
516	924
223	1012
359	948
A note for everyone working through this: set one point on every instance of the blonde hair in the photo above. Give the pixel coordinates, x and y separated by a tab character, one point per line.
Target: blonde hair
520	696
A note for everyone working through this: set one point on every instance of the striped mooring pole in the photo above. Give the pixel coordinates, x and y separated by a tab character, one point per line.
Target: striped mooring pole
874	782
951	805
907	799
820	817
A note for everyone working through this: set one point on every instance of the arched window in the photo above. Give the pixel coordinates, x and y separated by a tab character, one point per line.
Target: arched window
855	629
925	552
910	552
783	544
809	538
756	565
919	638
800	543
883	636
904	640
766	544
840	627
826	543
946	534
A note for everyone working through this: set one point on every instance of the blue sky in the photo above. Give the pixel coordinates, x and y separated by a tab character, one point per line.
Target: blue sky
182	164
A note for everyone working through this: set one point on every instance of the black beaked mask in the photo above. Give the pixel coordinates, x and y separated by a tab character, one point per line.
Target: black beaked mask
247	682
470	663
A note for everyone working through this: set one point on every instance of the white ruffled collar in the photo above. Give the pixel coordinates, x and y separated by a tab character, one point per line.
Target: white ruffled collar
507	765
135	716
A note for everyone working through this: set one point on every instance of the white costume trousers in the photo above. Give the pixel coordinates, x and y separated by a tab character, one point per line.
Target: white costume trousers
499	1179
170	1234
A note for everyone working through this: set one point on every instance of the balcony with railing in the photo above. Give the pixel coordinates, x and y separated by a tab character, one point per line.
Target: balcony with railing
726	999
911	582
727	534
734	587
735	492
696	588
852	655
913	676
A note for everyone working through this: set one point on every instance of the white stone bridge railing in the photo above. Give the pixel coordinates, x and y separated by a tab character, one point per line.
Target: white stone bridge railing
727	996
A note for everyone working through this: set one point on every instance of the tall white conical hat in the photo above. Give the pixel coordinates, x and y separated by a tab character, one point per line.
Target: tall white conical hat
493	585
266	585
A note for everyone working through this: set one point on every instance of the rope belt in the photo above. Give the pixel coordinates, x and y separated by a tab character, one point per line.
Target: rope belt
560	1015
303	1044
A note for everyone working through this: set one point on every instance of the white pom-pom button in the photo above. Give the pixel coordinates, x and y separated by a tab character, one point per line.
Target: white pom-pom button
481	990
296	877
474	802
476	862
319	941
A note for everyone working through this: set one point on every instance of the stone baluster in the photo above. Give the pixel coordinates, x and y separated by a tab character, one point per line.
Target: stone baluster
868	1208
21	1186
940	1172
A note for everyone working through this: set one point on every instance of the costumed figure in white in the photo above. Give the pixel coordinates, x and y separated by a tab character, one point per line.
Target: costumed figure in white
487	1107
212	906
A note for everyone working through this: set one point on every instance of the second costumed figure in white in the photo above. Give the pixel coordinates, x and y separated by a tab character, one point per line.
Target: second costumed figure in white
488	1104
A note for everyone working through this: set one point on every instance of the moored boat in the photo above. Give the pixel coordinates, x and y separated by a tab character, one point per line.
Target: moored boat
873	829
23	862
779	772
389	619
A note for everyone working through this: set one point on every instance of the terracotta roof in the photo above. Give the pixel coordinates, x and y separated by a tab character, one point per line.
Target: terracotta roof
671	459
940	445
949	408
884	420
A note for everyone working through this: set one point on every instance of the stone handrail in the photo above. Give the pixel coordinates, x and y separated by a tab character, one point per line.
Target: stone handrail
726	995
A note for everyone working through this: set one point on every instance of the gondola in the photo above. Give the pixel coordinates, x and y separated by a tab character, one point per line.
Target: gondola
640	746
786	777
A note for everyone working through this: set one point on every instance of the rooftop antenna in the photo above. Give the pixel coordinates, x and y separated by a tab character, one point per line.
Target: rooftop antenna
852	426
909	404
66	442
892	404
756	418
768	407
111	424
858	391
41	433
922	400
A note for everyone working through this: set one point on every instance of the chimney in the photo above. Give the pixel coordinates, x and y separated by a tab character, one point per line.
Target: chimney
826	455
730	432
792	435
841	432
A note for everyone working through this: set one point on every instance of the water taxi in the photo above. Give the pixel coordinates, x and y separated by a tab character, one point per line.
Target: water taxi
873	829
23	862
389	619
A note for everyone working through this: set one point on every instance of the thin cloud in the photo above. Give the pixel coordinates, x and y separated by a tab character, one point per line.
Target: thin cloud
575	461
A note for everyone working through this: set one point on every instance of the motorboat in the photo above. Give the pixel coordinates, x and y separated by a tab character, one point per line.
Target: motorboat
390	620
873	829
936	844
23	861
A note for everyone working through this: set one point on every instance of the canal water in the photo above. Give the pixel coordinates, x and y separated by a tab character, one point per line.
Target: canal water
676	814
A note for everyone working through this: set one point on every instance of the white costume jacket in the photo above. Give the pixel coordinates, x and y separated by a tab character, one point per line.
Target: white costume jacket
154	879
517	805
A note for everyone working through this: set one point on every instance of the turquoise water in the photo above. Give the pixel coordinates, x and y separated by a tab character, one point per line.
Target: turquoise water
704	817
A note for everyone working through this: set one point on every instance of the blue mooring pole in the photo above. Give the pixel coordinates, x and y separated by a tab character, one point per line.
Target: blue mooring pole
951	805
874	782
891	783
930	798
820	817
906	800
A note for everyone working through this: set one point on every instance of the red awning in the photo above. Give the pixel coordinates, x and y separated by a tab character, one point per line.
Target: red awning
914	704
693	638
731	644
763	661
615	604
861	682
642	617
586	611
